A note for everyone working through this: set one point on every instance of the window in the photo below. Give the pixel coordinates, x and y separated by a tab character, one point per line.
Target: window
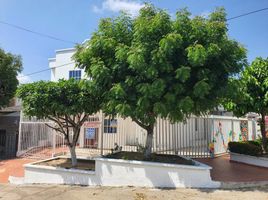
110	125
76	74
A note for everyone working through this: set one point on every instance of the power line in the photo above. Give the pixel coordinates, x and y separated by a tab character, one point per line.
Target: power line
52	37
37	72
67	41
245	14
37	33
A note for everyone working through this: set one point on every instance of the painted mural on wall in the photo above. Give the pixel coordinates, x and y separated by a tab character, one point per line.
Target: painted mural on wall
244	130
218	134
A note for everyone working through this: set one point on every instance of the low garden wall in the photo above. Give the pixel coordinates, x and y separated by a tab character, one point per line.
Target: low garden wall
55	175
116	172
251	160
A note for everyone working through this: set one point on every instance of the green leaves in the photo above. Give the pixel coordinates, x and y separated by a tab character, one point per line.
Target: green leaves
201	89
51	99
183	73
186	105
118	91
197	55
155	65
251	89
10	66
170	43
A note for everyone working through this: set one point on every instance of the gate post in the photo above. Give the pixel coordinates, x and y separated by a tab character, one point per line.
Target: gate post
53	142
19	137
101	132
232	129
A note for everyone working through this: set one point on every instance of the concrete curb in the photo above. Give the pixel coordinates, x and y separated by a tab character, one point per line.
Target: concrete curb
224	185
238	185
16	180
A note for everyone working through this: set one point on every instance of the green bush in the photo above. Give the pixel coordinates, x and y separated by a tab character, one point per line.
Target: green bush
259	140
252	148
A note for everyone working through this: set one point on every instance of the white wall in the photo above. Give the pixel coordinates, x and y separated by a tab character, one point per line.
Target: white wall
229	124
63	57
116	172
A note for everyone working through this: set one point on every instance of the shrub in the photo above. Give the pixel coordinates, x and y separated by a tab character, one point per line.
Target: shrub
259	140
252	148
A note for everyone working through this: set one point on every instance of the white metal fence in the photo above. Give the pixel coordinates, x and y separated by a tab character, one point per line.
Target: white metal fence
99	135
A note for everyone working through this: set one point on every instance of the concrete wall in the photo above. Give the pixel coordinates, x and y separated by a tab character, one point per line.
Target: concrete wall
250	160
115	172
226	129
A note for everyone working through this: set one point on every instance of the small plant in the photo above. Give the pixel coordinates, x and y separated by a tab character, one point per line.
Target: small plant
140	148
116	148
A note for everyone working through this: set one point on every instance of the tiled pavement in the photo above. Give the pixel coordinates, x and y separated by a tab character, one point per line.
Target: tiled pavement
226	171
12	167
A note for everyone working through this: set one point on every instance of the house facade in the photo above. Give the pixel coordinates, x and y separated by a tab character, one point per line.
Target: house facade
198	137
63	66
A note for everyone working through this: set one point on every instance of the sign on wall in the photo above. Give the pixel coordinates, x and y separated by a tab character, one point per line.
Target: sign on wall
92	124
90	133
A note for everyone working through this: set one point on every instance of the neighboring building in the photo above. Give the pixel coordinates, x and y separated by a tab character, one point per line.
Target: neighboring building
63	66
9	129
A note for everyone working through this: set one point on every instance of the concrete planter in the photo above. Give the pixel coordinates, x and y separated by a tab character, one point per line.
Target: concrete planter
55	175
116	172
251	160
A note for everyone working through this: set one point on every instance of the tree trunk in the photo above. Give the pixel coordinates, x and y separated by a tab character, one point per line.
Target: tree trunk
263	133
73	156
149	141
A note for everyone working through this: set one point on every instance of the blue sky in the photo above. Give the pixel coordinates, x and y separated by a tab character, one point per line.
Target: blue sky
75	20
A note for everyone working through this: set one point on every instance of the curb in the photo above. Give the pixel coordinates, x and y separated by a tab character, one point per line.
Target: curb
16	180
237	185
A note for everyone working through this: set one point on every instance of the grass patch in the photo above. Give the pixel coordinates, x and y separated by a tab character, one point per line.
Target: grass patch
160	158
67	164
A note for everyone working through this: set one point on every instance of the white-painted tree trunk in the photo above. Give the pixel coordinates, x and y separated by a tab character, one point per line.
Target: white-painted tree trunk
73	156
149	143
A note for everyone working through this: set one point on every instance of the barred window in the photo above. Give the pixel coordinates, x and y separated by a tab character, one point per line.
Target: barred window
110	125
76	74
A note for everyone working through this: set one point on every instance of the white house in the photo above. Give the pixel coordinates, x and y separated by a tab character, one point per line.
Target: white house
63	66
101	133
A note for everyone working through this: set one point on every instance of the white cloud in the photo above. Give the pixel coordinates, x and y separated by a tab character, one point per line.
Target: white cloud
23	78
132	7
205	14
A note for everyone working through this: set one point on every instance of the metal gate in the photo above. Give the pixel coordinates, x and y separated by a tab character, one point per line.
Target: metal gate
8	144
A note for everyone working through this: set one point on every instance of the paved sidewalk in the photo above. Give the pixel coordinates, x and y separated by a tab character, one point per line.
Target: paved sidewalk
11	192
12	167
226	171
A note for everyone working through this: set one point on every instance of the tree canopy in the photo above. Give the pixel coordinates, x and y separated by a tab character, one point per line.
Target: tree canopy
10	66
154	65
67	103
251	94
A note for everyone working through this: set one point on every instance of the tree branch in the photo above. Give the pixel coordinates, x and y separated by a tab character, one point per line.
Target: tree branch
140	124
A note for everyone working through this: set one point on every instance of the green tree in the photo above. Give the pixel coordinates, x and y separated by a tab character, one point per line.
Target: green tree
155	66
10	66
251	93
67	103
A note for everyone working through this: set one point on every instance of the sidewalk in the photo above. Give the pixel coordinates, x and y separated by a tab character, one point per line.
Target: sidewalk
11	192
225	171
12	167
